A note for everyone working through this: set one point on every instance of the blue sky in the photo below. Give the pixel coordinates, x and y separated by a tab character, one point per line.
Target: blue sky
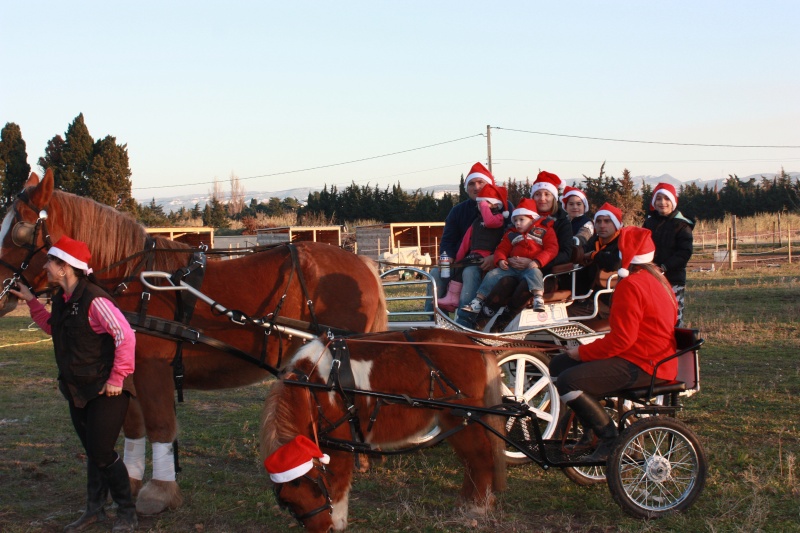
200	90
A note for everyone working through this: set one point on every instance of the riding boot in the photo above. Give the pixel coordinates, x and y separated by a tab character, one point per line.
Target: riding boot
594	417
116	476
96	496
450	302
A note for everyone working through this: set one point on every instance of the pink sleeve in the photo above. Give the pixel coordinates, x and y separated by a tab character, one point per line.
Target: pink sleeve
40	315
463	250
105	317
490	220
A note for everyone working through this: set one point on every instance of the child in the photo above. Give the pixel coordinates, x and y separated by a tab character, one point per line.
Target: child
577	207
479	241
672	234
532	237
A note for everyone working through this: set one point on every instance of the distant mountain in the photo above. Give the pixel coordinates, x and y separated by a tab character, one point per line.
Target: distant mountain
188	201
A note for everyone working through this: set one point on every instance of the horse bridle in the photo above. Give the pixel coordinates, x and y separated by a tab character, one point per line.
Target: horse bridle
319	482
26	235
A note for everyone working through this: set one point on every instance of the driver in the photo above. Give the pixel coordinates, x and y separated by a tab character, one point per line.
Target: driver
642	334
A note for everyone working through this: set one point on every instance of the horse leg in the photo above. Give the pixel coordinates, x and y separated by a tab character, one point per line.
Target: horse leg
135	445
155	391
473	447
340	488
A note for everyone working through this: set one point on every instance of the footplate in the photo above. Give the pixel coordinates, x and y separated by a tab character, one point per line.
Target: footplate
522	435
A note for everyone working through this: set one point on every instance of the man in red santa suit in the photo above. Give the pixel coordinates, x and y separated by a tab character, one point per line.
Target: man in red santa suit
642	333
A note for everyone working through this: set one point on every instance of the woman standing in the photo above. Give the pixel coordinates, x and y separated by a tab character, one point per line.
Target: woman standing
642	334
94	349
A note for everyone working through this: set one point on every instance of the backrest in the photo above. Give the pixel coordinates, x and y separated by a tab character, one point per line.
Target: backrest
603	278
688	363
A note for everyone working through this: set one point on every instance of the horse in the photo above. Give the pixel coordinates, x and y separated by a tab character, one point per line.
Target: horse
343	290
434	364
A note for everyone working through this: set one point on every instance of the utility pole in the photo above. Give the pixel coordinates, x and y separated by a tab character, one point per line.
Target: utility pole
489	147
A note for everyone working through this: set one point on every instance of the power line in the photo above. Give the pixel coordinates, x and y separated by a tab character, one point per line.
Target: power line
652	160
318	167
644	142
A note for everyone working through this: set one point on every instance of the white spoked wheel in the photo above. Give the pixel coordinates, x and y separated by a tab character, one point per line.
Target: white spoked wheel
658	467
526	378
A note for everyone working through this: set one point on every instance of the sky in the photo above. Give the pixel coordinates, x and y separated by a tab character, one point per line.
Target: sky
307	94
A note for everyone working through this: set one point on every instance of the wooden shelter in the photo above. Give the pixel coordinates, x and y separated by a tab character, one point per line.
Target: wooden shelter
193	236
376	239
324	234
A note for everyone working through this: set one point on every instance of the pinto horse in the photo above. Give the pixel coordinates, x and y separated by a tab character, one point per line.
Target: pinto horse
344	290
430	364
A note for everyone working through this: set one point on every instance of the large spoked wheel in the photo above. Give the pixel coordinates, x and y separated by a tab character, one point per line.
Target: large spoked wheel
527	378
586	475
658	467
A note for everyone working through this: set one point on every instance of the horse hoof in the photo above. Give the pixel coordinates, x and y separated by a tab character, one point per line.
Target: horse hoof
136	486
157	496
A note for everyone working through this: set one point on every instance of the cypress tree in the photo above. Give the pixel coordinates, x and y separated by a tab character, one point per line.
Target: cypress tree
14	167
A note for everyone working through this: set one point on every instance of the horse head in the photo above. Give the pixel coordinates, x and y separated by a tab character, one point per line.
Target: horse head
24	239
308	500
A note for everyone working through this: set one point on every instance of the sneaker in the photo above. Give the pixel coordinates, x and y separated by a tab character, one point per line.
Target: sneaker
474	306
538	304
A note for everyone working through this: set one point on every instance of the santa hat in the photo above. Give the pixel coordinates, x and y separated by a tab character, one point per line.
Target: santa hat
494	195
612	212
635	248
574	191
547	181
72	252
667	190
294	459
478	171
526	207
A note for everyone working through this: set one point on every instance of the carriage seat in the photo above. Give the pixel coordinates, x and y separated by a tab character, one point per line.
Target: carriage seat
688	378
552	293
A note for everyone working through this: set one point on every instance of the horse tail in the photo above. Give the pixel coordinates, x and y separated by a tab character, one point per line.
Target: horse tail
381	316
492	397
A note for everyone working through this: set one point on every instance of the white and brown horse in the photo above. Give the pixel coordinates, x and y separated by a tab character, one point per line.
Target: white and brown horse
439	365
345	290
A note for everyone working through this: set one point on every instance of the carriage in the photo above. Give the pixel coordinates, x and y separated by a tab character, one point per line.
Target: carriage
658	466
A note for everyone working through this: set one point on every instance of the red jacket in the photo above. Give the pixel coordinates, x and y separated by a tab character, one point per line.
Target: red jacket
540	243
643	316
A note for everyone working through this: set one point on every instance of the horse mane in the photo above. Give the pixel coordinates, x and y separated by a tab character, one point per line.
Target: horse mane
111	234
278	420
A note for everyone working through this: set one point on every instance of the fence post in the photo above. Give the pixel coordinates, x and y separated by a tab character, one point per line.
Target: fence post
730	248
789	239
755	235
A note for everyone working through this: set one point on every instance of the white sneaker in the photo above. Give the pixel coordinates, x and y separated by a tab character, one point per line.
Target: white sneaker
474	306
538	304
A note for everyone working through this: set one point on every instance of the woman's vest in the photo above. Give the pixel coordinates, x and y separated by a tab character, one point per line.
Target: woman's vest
84	358
484	238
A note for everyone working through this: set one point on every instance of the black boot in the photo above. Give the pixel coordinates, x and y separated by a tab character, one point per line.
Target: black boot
503	321
594	417
116	476
484	316
96	496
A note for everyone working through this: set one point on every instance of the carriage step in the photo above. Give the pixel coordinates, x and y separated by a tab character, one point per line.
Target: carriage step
523	436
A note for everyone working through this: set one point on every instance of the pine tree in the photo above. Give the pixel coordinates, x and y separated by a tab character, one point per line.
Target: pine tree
77	158
628	200
109	179
14	167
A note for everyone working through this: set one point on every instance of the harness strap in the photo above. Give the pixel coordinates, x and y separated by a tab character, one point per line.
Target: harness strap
191	274
340	378
437	377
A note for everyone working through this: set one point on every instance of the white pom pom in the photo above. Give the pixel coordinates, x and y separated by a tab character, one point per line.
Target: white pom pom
623	272
505	214
325	459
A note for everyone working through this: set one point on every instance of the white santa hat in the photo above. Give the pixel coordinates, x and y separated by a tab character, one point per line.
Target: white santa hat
294	459
635	248
494	195
72	252
574	191
611	212
547	181
478	171
667	190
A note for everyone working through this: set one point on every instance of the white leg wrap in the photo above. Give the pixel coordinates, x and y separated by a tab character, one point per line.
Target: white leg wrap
133	457
163	461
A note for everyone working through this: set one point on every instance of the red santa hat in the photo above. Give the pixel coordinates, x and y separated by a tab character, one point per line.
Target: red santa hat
612	212
667	190
526	207
547	181
494	195
72	252
574	191
294	459
635	248
478	171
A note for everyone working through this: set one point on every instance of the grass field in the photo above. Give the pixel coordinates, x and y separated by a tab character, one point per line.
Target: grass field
746	416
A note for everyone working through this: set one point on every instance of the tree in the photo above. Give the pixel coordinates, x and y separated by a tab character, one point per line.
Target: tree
236	203
14	167
152	215
628	200
77	158
110	174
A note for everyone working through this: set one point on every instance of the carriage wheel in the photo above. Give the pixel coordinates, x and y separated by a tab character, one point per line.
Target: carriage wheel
658	467
527	378
585	475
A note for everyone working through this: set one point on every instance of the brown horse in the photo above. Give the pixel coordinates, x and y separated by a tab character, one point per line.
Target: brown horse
345	290
427	364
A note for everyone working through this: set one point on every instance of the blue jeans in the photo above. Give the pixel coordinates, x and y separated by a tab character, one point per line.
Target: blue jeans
532	276
471	278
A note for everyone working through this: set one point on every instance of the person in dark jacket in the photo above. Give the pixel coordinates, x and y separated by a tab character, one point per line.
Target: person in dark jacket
577	207
94	348
672	234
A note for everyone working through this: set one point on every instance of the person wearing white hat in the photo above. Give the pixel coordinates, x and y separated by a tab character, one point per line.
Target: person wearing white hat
577	207
642	334
94	348
672	234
